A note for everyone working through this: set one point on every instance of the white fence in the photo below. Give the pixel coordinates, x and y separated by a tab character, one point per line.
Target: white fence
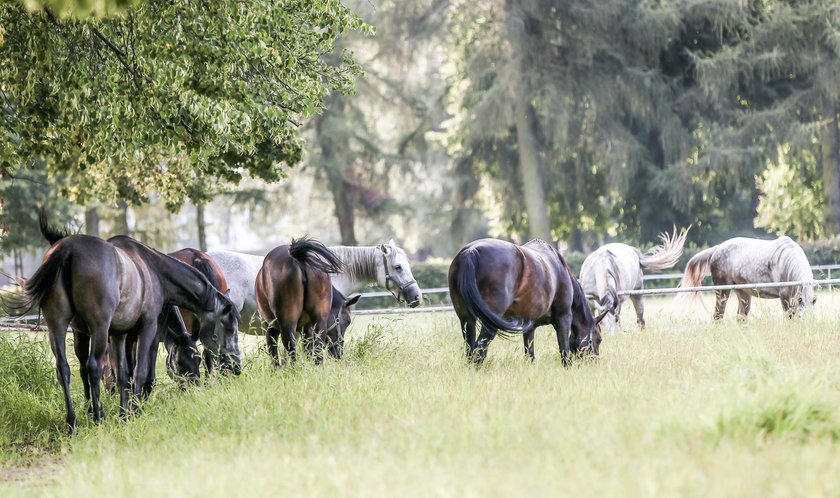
827	269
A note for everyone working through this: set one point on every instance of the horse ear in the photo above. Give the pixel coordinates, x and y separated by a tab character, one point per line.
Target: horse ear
353	300
383	248
392	243
227	293
601	316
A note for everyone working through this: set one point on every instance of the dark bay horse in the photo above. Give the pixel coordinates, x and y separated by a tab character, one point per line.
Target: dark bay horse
294	292
202	262
511	288
178	322
114	288
338	320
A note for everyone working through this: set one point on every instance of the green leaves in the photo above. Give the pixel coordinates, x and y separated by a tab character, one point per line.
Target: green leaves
170	94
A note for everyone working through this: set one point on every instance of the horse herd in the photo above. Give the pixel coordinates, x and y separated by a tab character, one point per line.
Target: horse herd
121	298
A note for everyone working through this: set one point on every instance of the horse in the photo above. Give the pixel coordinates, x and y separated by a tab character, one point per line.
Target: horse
202	262
338	321
512	288
111	289
618	267
386	264
743	260
180	321
293	292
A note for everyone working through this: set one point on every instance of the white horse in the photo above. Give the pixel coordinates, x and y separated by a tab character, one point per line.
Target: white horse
749	261
618	267
386	264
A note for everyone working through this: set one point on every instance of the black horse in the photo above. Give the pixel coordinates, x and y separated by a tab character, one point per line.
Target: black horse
510	288
115	288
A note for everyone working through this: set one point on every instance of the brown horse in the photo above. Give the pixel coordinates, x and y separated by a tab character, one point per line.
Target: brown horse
113	289
338	321
510	288
294	293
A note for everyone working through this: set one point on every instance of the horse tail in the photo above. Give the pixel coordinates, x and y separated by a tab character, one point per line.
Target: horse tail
476	306
51	233
43	280
698	267
313	254
666	254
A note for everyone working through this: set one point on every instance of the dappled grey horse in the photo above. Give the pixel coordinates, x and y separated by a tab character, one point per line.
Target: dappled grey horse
385	264
744	260
618	267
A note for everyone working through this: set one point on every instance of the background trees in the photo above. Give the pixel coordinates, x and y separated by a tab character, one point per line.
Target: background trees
578	121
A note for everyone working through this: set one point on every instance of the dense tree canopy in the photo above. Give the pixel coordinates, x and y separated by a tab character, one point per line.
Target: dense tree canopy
168	92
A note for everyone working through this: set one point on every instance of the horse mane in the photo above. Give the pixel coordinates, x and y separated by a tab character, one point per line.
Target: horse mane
359	261
792	260
200	263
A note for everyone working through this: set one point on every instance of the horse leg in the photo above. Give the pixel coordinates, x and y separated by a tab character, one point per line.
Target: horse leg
468	331
563	326
123	380
271	335
744	301
151	377
528	341
58	335
721	296
287	335
639	305
81	344
484	338
318	339
109	369
145	337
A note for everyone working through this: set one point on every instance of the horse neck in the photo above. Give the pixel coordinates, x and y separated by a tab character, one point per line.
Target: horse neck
360	267
184	285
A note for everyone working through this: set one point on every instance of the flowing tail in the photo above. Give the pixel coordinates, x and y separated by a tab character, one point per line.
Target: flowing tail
666	254
698	267
45	278
476	306
314	254
51	233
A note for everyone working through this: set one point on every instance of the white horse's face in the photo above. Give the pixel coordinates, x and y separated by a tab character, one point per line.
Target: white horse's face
395	274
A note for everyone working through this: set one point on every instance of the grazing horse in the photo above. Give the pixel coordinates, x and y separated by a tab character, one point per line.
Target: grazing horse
338	320
618	267
113	289
511	288
293	292
750	261
385	264
202	262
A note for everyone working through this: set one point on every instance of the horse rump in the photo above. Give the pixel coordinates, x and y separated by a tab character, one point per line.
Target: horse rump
476	306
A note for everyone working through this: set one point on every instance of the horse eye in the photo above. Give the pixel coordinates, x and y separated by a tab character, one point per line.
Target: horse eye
398	267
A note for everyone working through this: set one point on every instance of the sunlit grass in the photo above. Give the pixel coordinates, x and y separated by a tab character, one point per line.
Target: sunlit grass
686	407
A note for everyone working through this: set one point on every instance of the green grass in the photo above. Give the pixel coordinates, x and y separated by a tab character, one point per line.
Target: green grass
686	407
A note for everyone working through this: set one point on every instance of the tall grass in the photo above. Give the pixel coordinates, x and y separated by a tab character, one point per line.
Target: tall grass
685	407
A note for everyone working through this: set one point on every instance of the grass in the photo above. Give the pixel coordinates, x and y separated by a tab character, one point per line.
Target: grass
686	407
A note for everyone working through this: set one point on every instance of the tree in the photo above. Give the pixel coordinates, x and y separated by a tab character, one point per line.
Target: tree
167	94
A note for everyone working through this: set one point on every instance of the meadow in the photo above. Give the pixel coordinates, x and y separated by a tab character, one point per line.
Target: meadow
686	407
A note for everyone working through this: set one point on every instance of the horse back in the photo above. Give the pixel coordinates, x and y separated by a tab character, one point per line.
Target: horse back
290	292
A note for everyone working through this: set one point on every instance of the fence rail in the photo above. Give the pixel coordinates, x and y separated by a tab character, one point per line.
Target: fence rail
12	322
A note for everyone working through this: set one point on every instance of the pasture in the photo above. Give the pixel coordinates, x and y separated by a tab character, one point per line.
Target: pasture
686	407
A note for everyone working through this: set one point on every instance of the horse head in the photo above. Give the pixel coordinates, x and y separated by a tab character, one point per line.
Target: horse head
183	361
219	332
395	274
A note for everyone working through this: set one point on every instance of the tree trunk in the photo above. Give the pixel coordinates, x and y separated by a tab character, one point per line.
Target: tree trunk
530	170
831	164
332	146
202	226
92	221
121	225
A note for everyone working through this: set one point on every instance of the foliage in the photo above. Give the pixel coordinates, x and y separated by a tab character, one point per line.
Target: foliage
791	201
22	191
168	94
